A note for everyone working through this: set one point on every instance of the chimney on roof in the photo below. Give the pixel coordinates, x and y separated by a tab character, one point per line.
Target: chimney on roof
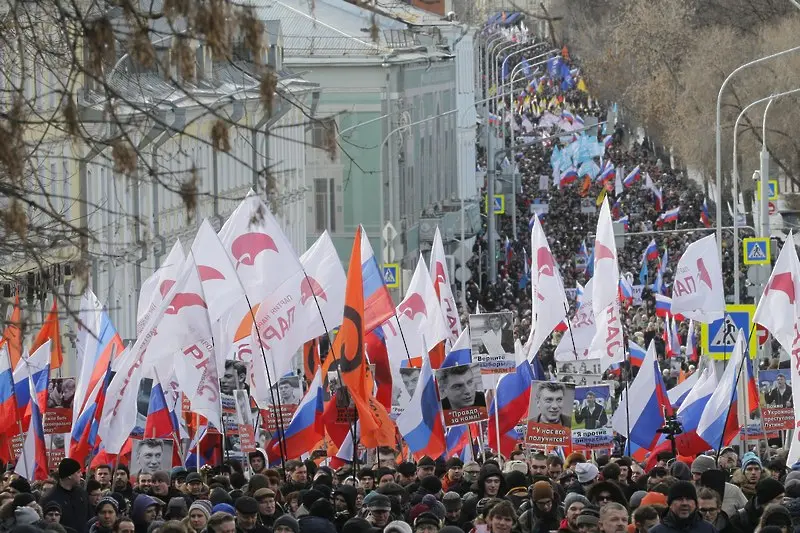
274	39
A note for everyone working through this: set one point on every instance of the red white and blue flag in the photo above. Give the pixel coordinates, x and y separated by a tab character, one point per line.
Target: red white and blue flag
704	218
632	177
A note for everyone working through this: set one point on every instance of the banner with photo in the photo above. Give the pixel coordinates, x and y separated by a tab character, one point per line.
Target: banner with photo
492	337
591	418
775	394
151	455
580	373
549	416
245	421
58	416
403	391
461	394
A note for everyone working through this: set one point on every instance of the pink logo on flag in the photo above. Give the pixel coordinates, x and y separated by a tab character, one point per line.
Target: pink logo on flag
309	288
412	306
441	277
547	264
782	282
208	273
703	274
184	299
602	252
246	247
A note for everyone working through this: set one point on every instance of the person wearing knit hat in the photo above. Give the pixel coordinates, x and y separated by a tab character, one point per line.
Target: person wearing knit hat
222	508
544	514
19	484
430	485
682	514
574	503
654	498
199	513
70	496
701	464
586	473
107	511
427	523
51	513
636	499
453	479
452	509
517	485
752	468
286	524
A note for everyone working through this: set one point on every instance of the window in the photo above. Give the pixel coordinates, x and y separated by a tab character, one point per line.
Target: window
324	205
323	133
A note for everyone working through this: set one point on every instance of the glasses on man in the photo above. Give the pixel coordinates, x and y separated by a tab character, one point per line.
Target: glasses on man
708	510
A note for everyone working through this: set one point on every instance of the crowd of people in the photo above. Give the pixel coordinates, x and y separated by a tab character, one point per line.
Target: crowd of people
528	492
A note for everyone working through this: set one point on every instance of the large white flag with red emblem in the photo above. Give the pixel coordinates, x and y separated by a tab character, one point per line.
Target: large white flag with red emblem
697	290
577	340
441	282
608	342
150	295
779	307
419	321
549	300
301	309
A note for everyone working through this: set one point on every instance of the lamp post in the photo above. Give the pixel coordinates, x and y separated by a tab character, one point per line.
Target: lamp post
735	166
719	135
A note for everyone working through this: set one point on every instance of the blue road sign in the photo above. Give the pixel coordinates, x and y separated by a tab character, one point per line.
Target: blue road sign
719	337
391	275
756	251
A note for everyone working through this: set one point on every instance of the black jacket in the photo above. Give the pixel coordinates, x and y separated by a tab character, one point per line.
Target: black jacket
74	506
693	524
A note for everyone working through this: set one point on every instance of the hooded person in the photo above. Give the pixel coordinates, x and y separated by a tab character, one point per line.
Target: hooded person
344	503
517	484
144	512
427	485
544	513
307	497
767	491
606	491
257	460
320	516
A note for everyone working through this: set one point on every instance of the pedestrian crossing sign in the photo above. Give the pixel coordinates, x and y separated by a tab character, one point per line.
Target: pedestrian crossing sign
391	275
499	204
719	337
756	251
772	187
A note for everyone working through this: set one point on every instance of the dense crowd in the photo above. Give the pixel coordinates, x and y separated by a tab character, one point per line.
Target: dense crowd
525	493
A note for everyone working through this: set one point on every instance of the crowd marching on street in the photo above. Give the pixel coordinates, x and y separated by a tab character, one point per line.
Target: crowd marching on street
475	421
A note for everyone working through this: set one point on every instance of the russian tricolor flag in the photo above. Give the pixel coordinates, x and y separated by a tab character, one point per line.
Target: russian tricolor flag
690	411
508	251
651	252
704	218
32	464
306	428
625	291
625	221
457	441
513	394
7	405
421	423
161	422
378	304
663	305
85	428
460	353
636	354
658	198
670	215
632	177
719	423
608	173
569	176
607	140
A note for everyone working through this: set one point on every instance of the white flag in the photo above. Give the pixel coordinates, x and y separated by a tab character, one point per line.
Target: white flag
779	307
151	295
606	269
697	290
441	282
548	298
581	330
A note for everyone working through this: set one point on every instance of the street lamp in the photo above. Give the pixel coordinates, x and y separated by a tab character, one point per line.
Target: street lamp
735	167
719	135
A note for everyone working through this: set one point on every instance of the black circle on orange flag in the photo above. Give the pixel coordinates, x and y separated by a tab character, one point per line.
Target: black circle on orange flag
311	359
351	333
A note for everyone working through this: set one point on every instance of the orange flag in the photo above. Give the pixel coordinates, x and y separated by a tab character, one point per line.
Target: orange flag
12	336
377	429
587	183
311	358
50	332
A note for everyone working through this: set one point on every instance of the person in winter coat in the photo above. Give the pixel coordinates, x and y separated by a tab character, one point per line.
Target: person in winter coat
18	512
709	505
682	516
574	503
199	513
775	515
517	488
344	504
544	515
768	491
70	496
144	512
107	512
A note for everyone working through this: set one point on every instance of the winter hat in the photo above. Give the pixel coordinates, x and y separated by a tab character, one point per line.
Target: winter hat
309	497
574	457
359	525
653	498
67	467
22	499
288	521
792	489
793	506
588	516
750	458
586	472
322	508
515	479
434	506
702	464
768	489
542	491
20	484
204	506
573	497
451	529
776	515
681	489
245	505
516	466
113	503
680	471
26	516
636	499
794	474
427	519
51	506
220	495
398	526
451	501
454	462
225	508
380	502
432	484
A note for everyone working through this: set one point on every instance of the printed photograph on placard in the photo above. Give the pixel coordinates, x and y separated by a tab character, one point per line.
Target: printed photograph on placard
550	414
775	390
55	448
461	394
245	421
142	405
580	373
288	391
151	455
492	336
58	416
591	418
234	377
403	389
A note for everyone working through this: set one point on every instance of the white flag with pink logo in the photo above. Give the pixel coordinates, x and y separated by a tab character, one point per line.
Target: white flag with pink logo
441	282
779	307
608	342
150	295
697	290
549	300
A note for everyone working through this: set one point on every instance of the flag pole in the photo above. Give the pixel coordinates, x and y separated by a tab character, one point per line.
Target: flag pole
16	403
571	336
497	423
736	384
196	429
